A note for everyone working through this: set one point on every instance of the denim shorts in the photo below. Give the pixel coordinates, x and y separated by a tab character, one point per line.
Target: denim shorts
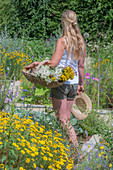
66	91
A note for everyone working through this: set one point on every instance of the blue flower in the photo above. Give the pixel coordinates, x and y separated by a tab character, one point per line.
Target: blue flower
25	90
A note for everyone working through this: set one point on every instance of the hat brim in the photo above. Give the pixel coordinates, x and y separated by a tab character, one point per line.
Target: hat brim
81	107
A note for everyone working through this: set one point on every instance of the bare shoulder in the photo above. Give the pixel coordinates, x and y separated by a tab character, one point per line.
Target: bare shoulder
61	42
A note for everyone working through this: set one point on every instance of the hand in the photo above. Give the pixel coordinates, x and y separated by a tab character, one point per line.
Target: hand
31	65
80	89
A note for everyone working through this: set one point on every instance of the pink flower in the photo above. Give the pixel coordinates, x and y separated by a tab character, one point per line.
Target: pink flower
87	74
95	79
87	77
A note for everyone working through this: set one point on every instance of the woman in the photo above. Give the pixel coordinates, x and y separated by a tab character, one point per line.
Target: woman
70	50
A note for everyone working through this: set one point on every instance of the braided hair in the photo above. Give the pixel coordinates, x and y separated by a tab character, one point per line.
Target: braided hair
72	35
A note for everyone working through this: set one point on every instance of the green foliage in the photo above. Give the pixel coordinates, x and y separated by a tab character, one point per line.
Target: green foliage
34	95
34	19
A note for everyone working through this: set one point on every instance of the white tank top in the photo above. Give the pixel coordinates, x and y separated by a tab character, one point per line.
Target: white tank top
64	62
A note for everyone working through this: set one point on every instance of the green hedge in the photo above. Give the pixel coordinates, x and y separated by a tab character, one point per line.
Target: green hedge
32	18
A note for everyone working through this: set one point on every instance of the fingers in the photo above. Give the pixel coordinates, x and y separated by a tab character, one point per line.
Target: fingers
30	66
80	89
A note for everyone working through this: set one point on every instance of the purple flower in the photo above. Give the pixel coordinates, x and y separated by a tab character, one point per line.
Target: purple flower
96	156
87	82
105	164
22	98
101	159
33	116
34	87
7	68
89	157
86	133
6	100
86	168
6	73
36	168
17	93
33	57
102	90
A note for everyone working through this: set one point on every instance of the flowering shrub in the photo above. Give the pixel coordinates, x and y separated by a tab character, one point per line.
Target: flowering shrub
13	62
56	74
22	140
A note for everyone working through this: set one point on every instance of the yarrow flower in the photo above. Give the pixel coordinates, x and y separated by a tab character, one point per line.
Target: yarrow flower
56	74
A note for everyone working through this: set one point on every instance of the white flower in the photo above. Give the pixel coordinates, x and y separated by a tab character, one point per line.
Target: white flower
50	123
86	35
96	46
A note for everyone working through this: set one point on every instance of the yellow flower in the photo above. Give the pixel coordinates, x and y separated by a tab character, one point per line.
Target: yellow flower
68	67
41	166
58	166
107	144
88	146
22	151
110	165
99	155
69	166
42	142
21	168
1	165
45	158
0	143
51	155
34	165
27	160
32	154
102	152
102	147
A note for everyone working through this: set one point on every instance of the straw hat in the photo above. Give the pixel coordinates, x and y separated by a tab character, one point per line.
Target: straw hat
81	107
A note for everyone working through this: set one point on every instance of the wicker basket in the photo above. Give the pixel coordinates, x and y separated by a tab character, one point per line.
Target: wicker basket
37	80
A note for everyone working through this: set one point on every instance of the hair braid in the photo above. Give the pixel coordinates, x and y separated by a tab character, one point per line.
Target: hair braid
71	31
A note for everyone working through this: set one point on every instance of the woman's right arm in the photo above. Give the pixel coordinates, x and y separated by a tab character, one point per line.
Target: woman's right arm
59	50
81	71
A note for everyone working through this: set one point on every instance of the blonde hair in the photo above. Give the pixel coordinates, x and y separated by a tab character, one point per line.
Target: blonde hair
73	37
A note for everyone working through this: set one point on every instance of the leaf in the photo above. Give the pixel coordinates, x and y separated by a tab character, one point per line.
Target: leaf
12	151
4	158
1	146
73	121
28	99
40	92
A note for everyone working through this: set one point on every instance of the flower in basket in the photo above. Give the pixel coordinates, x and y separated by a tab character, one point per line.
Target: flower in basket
56	74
